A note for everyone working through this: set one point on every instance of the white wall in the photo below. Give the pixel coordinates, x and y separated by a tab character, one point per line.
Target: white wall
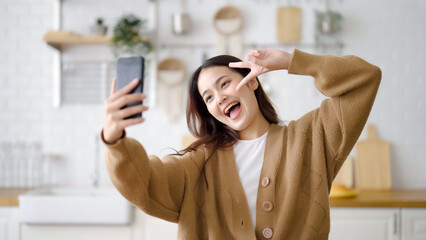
390	34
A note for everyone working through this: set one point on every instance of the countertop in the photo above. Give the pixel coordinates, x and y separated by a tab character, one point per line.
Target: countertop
370	198
9	196
384	198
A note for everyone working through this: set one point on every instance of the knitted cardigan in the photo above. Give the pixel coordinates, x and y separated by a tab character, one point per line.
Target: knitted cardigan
301	160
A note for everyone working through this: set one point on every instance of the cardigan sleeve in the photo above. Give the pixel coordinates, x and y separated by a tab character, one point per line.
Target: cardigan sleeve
156	186
351	85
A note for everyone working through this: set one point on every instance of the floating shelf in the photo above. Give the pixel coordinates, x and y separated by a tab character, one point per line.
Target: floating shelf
255	45
57	39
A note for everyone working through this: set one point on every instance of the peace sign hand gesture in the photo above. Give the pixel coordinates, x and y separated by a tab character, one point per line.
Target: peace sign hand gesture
262	61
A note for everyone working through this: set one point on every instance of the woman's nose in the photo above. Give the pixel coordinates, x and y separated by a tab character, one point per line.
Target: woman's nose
222	99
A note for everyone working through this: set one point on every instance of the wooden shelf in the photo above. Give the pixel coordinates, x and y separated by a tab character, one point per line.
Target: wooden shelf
57	39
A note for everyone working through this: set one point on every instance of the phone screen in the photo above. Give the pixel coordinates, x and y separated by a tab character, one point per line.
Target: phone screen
127	70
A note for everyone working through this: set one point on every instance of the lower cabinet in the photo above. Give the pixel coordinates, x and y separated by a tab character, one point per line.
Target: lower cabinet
68	232
346	223
133	231
378	223
9	223
157	229
414	224
365	223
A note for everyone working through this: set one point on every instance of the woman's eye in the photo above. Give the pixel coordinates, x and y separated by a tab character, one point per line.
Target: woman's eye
224	83
208	98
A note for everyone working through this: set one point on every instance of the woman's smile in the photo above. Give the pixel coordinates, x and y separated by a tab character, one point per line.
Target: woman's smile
234	111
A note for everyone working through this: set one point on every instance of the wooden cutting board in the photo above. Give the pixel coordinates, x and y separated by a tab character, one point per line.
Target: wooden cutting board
288	24
373	162
345	176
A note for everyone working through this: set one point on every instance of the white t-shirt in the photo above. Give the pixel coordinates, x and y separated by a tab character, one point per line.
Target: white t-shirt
249	158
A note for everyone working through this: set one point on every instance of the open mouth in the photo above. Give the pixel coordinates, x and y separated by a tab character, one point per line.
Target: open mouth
233	110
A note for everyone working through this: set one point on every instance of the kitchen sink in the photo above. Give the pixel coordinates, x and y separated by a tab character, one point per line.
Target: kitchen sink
74	206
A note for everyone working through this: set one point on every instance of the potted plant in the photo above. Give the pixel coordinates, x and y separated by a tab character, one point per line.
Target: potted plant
99	29
130	37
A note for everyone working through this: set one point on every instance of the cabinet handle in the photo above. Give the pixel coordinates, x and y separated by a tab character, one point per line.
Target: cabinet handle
395	224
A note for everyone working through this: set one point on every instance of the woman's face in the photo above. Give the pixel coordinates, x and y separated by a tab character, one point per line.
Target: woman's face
236	109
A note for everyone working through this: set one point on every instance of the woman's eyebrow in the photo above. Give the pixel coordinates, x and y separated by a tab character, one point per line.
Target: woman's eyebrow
216	83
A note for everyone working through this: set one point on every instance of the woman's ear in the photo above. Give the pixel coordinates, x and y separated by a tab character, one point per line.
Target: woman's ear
254	84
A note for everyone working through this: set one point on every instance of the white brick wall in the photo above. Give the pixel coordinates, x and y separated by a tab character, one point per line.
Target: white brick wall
390	34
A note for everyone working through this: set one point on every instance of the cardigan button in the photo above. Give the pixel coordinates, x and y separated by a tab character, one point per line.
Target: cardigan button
267	233
267	206
265	182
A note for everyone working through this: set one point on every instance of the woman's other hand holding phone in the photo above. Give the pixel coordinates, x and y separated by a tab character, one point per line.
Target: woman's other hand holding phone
115	122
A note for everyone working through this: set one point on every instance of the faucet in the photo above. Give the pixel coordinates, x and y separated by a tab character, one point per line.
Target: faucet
94	177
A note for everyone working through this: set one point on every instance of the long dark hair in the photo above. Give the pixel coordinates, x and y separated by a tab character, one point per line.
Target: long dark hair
206	128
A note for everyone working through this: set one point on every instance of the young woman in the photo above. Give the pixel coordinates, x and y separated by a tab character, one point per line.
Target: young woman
247	176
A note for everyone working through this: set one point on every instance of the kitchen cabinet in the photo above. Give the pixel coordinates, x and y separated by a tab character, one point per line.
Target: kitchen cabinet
9	223
133	231
414	224
378	215
352	223
69	232
159	229
365	223
378	223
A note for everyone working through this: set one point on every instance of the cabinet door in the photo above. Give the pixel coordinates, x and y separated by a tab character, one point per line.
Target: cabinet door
364	223
9	223
413	224
74	232
159	229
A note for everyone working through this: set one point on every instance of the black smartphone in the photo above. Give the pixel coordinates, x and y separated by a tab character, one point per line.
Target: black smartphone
127	70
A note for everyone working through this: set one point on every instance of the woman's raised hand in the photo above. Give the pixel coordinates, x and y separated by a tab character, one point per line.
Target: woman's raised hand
115	122
262	61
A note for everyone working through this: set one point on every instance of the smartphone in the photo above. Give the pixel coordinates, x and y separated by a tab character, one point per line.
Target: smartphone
127	70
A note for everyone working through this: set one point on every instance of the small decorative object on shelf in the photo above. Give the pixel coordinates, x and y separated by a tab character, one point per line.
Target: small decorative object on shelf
130	37
328	31
99	29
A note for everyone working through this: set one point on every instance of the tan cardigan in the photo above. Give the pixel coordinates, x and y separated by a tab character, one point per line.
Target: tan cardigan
301	161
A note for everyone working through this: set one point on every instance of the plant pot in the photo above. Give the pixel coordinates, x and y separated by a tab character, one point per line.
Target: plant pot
98	30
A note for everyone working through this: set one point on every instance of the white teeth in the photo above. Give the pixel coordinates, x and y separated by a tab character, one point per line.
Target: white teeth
230	106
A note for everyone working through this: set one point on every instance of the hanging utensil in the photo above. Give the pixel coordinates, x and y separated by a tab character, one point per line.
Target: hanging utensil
289	24
171	76
181	21
228	23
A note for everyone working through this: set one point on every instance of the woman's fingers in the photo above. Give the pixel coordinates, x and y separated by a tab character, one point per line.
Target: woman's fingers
126	99
114	82
115	121
255	71
255	53
245	80
239	65
130	111
132	121
125	90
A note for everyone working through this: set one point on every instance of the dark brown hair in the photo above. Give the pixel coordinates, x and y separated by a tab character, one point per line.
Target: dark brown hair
206	128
